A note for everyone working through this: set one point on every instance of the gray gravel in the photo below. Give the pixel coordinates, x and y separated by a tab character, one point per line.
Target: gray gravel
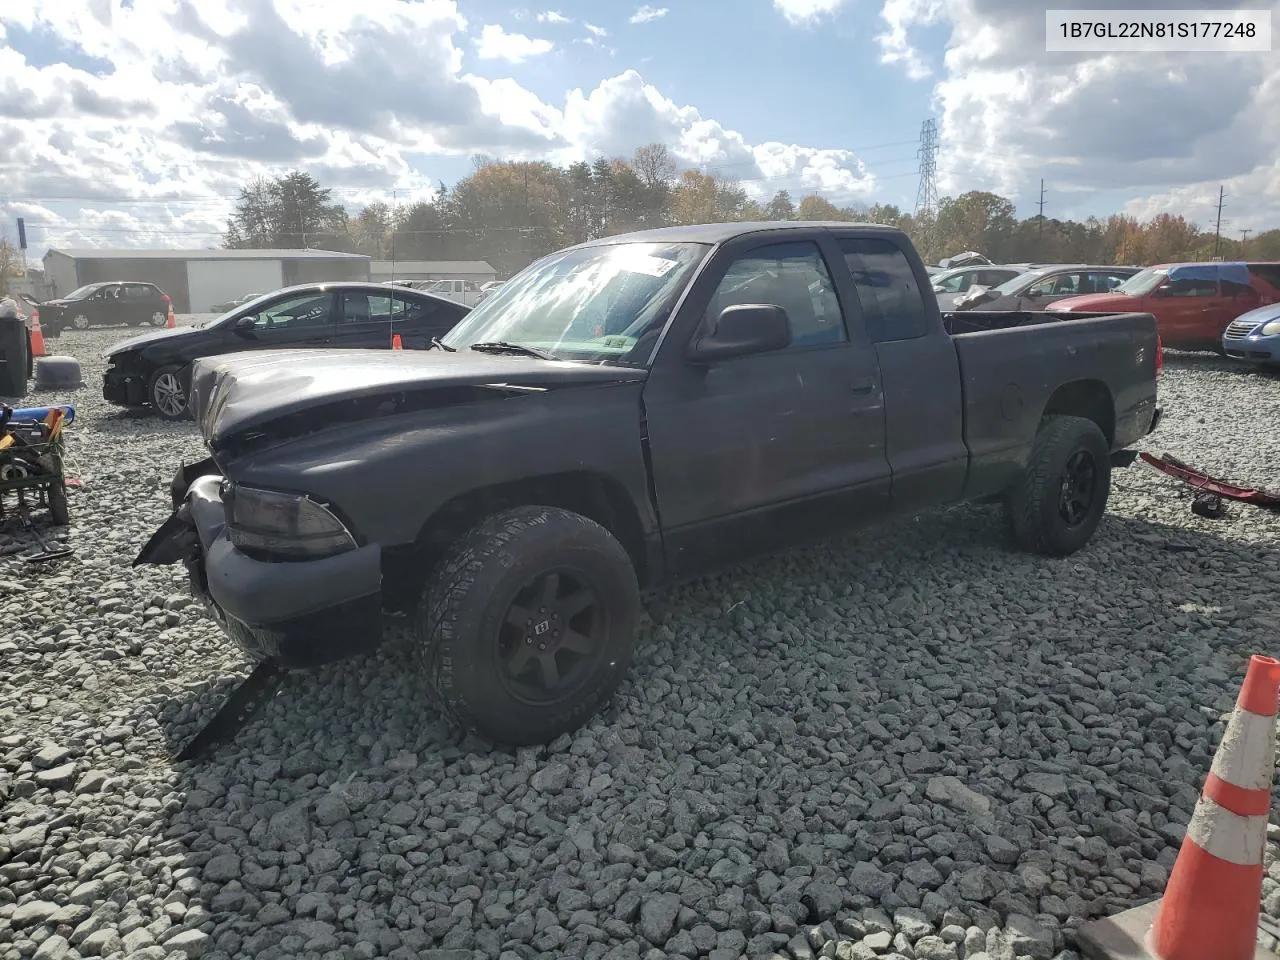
911	743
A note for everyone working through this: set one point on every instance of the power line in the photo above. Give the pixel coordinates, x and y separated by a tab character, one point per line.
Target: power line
1040	222
1244	241
1217	231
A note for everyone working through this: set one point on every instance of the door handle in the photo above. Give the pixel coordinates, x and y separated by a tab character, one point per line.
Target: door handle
863	386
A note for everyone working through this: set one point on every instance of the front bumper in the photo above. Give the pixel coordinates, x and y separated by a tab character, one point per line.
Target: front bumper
301	613
1252	349
124	389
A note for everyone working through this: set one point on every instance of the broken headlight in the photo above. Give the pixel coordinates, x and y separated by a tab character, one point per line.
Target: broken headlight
282	526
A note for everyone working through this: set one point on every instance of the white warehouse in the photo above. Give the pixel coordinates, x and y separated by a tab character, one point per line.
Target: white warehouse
199	279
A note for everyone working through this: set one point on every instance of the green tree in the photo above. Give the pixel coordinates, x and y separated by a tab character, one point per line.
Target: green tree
780	207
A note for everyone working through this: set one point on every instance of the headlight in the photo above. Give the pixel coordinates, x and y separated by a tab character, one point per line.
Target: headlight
282	526
1271	328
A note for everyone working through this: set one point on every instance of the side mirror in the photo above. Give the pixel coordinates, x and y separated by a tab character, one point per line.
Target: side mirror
1160	292
245	324
1033	294
741	330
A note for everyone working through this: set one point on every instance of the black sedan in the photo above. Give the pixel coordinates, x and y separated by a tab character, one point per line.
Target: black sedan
1042	285
154	370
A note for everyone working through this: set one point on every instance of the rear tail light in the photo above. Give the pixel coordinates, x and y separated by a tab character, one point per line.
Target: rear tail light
1159	354
167	298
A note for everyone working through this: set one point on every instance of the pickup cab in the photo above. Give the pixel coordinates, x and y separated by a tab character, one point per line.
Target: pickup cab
623	414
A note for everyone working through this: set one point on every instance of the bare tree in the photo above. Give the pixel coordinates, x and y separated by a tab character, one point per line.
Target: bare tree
654	164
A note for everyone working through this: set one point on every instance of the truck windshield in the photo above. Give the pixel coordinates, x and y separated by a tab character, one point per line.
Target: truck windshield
1142	282
604	304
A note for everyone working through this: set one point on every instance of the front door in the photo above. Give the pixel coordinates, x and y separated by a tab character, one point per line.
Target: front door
109	306
297	321
1187	309
759	452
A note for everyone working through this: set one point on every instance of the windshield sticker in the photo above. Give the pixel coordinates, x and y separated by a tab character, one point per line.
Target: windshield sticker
618	342
643	263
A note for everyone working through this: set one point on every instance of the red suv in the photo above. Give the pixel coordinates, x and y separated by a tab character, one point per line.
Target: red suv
1192	302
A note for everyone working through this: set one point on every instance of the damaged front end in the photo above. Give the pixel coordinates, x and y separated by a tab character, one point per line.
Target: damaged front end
286	601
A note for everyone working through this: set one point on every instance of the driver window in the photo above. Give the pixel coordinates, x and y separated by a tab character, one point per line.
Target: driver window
1191	287
1061	285
295	313
792	276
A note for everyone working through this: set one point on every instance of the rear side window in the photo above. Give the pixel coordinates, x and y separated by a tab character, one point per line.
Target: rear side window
887	289
140	291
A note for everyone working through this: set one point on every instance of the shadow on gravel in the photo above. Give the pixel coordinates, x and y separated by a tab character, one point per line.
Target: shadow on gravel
828	730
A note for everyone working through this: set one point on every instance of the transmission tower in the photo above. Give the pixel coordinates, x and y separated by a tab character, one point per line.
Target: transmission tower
927	196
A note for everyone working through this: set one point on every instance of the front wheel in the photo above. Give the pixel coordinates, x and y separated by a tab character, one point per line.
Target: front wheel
528	625
1062	495
80	321
168	392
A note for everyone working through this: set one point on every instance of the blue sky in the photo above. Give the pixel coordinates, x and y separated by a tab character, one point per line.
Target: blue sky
118	104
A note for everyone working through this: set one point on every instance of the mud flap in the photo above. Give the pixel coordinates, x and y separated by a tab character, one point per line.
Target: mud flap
254	691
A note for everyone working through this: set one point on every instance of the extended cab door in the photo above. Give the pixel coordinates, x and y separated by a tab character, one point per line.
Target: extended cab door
758	452
924	403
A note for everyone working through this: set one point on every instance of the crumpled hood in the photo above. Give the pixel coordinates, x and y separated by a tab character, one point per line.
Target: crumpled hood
236	393
144	339
1098	303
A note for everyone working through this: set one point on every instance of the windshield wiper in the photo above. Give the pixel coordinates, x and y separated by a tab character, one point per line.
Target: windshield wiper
437	342
501	346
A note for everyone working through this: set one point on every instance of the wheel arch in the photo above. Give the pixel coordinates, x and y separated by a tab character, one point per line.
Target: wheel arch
1090	399
593	495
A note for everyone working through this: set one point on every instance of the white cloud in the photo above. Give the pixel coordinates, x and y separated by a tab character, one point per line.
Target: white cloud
1168	128
804	11
596	31
494	43
553	16
647	14
898	15
361	95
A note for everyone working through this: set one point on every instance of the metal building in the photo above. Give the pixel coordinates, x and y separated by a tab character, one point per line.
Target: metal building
384	271
198	279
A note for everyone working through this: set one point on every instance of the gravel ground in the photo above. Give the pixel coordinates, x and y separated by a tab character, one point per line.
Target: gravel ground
910	743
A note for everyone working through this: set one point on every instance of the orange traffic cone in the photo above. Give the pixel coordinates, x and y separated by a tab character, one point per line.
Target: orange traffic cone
1210	905
395	342
37	338
171	321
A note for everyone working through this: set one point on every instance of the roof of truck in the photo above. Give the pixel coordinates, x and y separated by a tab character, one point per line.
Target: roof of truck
719	232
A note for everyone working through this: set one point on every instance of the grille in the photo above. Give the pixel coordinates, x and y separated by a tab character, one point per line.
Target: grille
1241	328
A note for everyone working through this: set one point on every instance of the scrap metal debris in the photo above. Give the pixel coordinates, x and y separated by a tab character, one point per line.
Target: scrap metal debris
1211	492
254	691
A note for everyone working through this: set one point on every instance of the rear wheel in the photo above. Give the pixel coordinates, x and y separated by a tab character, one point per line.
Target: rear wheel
80	321
528	625
1060	500
168	392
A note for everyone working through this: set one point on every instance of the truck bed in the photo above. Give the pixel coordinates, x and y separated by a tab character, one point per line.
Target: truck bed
1013	363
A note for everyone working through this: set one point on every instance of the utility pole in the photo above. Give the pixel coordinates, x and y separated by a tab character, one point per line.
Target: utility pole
1040	222
1244	242
1217	231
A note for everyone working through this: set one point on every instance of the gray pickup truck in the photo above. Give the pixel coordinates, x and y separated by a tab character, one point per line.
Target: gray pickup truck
622	414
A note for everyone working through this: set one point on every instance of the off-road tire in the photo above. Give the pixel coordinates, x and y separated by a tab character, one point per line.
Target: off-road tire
183	378
458	619
1032	506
